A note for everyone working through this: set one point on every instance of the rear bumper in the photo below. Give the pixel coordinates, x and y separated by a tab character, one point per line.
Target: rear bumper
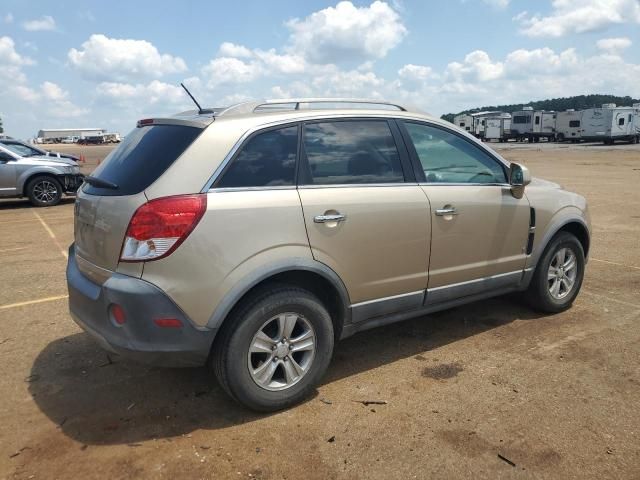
139	338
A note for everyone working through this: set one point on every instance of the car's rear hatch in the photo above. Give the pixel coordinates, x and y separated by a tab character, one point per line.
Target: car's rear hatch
115	190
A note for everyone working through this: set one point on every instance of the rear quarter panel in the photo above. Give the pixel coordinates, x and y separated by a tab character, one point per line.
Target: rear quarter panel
241	232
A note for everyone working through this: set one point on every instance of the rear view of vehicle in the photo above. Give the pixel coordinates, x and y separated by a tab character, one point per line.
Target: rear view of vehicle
117	229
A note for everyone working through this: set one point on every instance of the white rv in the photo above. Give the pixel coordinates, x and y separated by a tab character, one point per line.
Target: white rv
464	121
569	126
533	125
479	120
611	123
497	127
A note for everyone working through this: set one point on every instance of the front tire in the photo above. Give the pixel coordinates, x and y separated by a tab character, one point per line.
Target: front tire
274	349
44	191
558	275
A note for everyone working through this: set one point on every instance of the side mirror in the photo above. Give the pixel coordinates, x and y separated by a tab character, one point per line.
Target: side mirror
519	177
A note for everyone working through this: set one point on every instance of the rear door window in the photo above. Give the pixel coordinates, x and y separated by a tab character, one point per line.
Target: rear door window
141	158
268	159
351	152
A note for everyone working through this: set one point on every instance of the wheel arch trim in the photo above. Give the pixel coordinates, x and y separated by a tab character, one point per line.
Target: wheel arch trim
24	178
242	287
556	225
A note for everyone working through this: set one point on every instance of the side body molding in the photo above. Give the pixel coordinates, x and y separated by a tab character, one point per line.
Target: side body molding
269	270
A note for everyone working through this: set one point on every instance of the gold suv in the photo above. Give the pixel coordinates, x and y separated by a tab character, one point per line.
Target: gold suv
252	238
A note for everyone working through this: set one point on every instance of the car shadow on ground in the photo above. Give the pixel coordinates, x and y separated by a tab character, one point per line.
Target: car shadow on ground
99	399
23	203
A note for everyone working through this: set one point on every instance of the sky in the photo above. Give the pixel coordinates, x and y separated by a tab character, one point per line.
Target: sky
72	64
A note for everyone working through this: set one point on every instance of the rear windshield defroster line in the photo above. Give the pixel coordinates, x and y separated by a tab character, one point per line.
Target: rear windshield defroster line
141	158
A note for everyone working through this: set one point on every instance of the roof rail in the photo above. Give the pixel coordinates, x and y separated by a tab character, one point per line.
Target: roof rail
322	103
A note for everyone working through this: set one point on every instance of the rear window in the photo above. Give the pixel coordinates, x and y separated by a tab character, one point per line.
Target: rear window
141	158
267	160
574	123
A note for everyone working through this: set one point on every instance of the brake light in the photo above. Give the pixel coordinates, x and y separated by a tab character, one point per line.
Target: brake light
158	227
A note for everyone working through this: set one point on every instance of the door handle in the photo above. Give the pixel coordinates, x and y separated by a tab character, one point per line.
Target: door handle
441	212
336	217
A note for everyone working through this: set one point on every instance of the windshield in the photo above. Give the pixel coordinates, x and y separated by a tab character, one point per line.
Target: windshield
21	149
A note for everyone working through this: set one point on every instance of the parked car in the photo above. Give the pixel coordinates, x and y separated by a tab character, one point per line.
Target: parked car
253	238
42	178
27	150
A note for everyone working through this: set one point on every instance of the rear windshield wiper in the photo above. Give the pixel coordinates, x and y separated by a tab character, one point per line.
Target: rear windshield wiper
97	182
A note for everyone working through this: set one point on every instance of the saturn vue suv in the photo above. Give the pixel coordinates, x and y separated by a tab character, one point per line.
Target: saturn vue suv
252	238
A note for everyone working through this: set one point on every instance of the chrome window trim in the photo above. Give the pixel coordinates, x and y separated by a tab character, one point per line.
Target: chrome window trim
462	184
302	187
352	185
382	114
250	189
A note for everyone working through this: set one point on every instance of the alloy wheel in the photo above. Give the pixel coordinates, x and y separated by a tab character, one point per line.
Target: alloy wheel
45	191
562	273
282	351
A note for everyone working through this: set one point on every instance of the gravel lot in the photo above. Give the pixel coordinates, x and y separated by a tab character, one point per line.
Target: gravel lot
490	390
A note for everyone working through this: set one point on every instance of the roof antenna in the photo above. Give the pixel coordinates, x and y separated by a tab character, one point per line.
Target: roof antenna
200	110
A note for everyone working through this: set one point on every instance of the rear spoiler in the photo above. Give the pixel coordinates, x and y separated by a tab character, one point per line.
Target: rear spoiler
197	121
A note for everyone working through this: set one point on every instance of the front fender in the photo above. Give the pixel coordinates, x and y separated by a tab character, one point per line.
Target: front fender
24	176
544	233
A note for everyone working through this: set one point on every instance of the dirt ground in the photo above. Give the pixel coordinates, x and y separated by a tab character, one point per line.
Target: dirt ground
490	390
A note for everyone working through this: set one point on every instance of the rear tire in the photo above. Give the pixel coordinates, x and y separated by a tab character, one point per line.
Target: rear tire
44	191
561	266
274	349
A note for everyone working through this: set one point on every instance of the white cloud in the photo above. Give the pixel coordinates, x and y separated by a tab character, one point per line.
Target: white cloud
9	56
142	95
477	66
44	23
11	63
113	59
613	44
417	72
497	3
8	18
223	70
578	16
346	33
228	49
51	99
523	62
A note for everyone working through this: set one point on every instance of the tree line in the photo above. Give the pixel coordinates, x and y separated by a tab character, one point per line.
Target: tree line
579	102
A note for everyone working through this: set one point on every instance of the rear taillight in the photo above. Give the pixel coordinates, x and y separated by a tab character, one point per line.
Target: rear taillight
158	227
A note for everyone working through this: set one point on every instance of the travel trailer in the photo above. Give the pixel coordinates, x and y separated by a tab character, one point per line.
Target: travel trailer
497	127
569	126
533	125
611	123
464	121
479	120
